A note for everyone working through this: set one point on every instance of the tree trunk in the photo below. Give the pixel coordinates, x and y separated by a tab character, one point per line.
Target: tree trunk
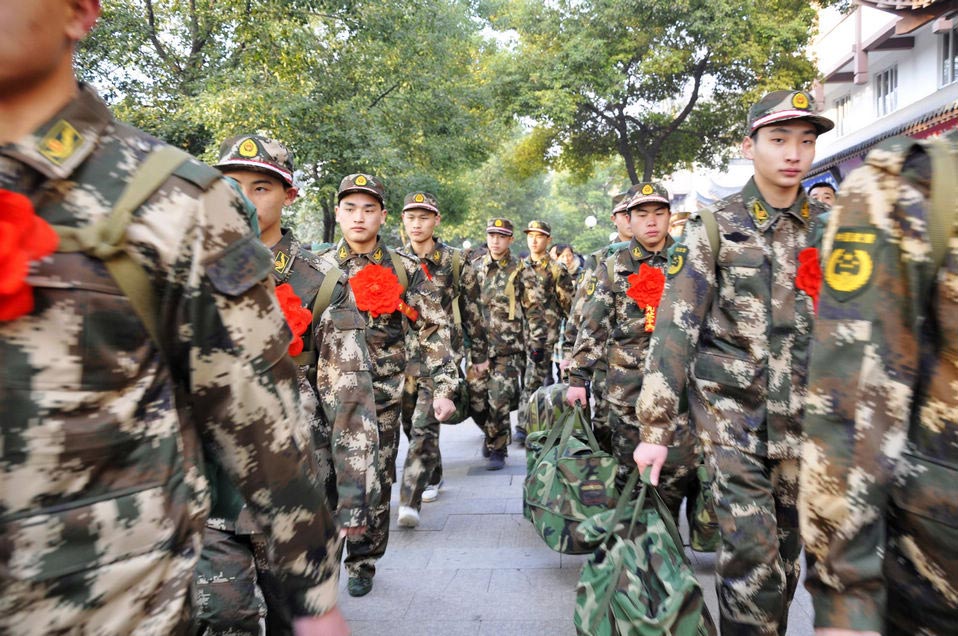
329	218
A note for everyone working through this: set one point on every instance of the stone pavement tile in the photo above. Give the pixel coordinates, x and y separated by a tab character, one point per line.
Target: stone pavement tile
519	533
412	558
557	627
493	605
574	562
389	599
415	627
482	558
526	582
469	491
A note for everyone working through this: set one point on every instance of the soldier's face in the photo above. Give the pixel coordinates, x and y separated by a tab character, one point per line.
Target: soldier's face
650	224
623	224
498	244
37	39
360	216
824	194
420	224
538	243
782	153
268	193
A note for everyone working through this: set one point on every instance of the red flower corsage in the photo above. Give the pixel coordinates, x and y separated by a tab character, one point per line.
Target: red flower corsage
297	317
377	290
645	288
24	237
808	278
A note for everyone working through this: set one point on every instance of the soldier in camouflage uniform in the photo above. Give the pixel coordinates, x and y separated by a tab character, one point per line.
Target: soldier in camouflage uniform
374	273
614	328
879	478
738	321
456	281
512	303
337	397
110	402
556	287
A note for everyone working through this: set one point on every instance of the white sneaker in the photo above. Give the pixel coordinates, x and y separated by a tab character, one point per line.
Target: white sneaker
431	492
408	517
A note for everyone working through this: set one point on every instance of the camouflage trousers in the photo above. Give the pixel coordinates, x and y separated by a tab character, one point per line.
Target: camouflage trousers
537	375
503	398
478	385
362	552
423	460
600	410
757	565
235	592
678	479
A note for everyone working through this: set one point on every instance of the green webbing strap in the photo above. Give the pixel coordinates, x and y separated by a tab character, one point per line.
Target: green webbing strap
456	266
106	238
711	229
511	291
400	270
944	197
323	298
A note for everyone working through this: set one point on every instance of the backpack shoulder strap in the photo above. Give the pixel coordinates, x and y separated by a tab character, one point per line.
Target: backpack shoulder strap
943	210
711	229
511	290
322	301
400	270
457	293
105	238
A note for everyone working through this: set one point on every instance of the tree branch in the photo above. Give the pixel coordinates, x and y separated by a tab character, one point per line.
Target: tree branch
383	95
160	49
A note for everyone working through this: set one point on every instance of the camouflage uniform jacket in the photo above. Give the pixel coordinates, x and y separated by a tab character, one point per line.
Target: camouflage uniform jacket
613	327
505	336
882	413
583	282
738	320
437	266
102	494
557	288
386	333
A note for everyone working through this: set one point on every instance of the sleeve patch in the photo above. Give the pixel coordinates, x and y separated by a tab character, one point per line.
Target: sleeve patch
240	266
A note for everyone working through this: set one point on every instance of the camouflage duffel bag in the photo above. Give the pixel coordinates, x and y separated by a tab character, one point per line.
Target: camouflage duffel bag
640	582
568	482
544	408
704	534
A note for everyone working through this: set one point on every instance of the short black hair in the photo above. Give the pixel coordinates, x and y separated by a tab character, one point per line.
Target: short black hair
822	184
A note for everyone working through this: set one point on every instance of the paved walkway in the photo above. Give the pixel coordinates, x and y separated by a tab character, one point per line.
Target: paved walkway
475	565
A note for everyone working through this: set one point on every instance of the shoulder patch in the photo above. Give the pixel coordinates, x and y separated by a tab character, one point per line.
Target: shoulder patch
851	264
677	259
240	266
199	174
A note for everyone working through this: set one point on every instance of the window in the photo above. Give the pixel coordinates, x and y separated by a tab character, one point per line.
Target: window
949	56
886	91
841	113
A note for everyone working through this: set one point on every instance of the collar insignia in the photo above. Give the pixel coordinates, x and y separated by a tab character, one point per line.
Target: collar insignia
759	212
281	261
636	252
805	209
343	254
436	256
378	254
60	142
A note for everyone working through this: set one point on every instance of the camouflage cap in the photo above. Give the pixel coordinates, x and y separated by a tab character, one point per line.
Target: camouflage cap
785	105
499	226
539	226
360	182
649	192
421	200
257	153
620	202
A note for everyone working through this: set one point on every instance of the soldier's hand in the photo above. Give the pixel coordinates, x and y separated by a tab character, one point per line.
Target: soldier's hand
332	623
653	455
481	368
576	394
444	408
537	355
840	631
352	532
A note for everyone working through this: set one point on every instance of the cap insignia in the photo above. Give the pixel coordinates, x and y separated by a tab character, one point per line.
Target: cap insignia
799	100
419	198
360	180
60	142
248	149
498	223
534	224
647	189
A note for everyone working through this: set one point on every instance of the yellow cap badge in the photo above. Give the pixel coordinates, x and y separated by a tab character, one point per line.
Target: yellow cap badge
498	223
360	180
849	269
248	149
800	101
60	142
759	212
647	189
419	198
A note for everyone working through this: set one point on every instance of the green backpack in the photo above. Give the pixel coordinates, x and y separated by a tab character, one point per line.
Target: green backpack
640	581
567	482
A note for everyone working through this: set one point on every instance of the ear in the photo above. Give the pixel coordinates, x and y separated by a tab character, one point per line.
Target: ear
438	218
748	148
291	194
83	15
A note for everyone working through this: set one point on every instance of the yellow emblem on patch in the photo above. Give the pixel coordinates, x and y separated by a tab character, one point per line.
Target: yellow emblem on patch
677	260
248	149
436	256
498	223
378	254
360	180
805	210
636	252
800	100
759	212
343	253
60	142
848	271
281	261
591	289
647	189
534	224
419	198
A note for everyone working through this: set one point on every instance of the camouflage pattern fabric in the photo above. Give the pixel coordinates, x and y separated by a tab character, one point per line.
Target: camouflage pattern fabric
544	408
736	319
505	337
423	460
228	600
879	483
102	487
387	342
557	286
